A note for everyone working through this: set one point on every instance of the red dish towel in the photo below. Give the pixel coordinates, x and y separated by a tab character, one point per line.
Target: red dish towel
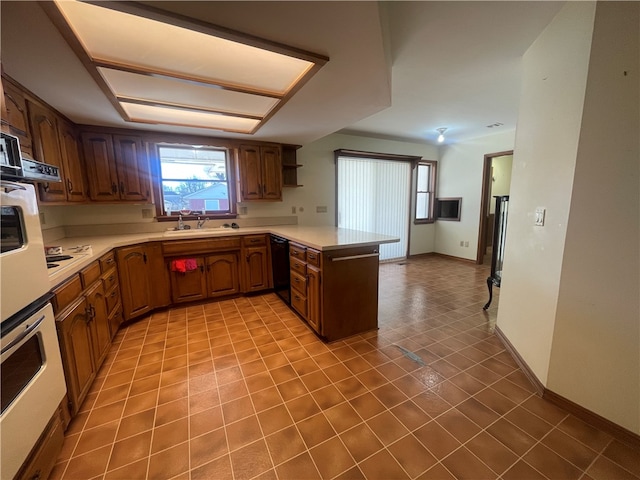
184	265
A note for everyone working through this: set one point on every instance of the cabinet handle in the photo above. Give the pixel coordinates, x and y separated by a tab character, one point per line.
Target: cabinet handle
144	257
45	187
114	188
297	297
255	240
113	294
109	261
69	186
121	187
201	269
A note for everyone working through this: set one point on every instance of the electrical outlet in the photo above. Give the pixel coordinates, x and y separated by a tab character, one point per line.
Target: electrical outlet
466	244
321	209
147	213
461	243
42	221
539	217
293	209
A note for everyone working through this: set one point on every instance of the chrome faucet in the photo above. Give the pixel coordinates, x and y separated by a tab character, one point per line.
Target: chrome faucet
180	223
200	223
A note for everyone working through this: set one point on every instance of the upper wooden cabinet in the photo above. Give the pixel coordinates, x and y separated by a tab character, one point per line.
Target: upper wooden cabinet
46	149
71	161
117	167
15	119
260	172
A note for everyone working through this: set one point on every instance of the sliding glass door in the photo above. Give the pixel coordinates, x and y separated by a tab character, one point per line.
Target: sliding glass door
374	196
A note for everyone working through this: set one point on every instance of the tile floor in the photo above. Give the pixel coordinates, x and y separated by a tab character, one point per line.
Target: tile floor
241	389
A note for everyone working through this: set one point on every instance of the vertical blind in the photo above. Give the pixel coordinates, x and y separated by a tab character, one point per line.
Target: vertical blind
374	196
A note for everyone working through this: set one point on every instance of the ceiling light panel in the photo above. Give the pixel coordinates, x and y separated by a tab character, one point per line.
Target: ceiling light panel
175	116
115	37
158	67
153	89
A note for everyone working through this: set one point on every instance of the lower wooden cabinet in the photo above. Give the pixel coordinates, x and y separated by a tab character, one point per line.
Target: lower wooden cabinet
88	313
256	264
314	297
222	274
78	360
135	285
189	286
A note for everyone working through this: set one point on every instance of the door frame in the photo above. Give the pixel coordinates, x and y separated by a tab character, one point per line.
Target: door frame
484	201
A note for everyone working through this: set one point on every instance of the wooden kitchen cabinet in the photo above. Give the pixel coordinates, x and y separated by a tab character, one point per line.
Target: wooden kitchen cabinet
117	167
46	149
78	360
218	271
69	141
99	322
83	319
256	266
260	172
222	274
191	285
135	285
306	293
15	116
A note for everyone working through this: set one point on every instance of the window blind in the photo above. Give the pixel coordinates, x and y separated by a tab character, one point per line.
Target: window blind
374	196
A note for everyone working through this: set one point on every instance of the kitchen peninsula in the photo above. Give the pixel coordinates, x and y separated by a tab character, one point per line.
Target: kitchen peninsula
335	286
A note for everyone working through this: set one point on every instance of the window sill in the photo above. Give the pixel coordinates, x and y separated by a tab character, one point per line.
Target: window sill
424	221
210	216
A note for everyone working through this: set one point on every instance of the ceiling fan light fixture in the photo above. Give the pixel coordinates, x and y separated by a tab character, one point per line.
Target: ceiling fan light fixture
441	134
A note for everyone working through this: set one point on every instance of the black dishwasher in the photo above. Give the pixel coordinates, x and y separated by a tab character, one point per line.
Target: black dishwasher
280	267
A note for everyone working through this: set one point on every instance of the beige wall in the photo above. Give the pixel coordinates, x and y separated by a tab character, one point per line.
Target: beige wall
460	175
595	352
569	297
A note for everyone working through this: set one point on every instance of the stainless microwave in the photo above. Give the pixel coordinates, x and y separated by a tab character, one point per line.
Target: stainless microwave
14	166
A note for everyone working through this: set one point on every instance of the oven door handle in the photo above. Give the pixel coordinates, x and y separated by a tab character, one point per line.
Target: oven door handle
27	332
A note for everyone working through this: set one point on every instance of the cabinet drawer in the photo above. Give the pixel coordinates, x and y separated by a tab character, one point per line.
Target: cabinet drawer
191	247
67	293
299	303
297	251
298	266
107	261
113	298
90	274
299	282
313	257
254	240
110	279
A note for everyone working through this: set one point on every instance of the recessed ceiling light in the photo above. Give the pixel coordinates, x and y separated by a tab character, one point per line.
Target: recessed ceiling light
152	64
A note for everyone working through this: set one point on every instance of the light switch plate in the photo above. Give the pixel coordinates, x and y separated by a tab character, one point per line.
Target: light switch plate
539	216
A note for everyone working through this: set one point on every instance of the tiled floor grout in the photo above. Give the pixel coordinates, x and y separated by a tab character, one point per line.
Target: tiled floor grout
430	306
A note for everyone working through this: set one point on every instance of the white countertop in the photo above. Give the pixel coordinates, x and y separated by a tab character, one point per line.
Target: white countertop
319	238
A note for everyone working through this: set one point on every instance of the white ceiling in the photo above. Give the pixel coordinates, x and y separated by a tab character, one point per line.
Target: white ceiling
396	69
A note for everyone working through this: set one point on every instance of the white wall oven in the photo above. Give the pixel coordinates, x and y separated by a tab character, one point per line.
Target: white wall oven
31	371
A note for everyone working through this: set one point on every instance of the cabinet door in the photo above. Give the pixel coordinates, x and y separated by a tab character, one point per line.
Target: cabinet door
17	117
46	149
189	286
135	288
99	322
133	173
250	173
271	173
71	161
222	274
314	298
256	269
102	175
77	354
159	273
